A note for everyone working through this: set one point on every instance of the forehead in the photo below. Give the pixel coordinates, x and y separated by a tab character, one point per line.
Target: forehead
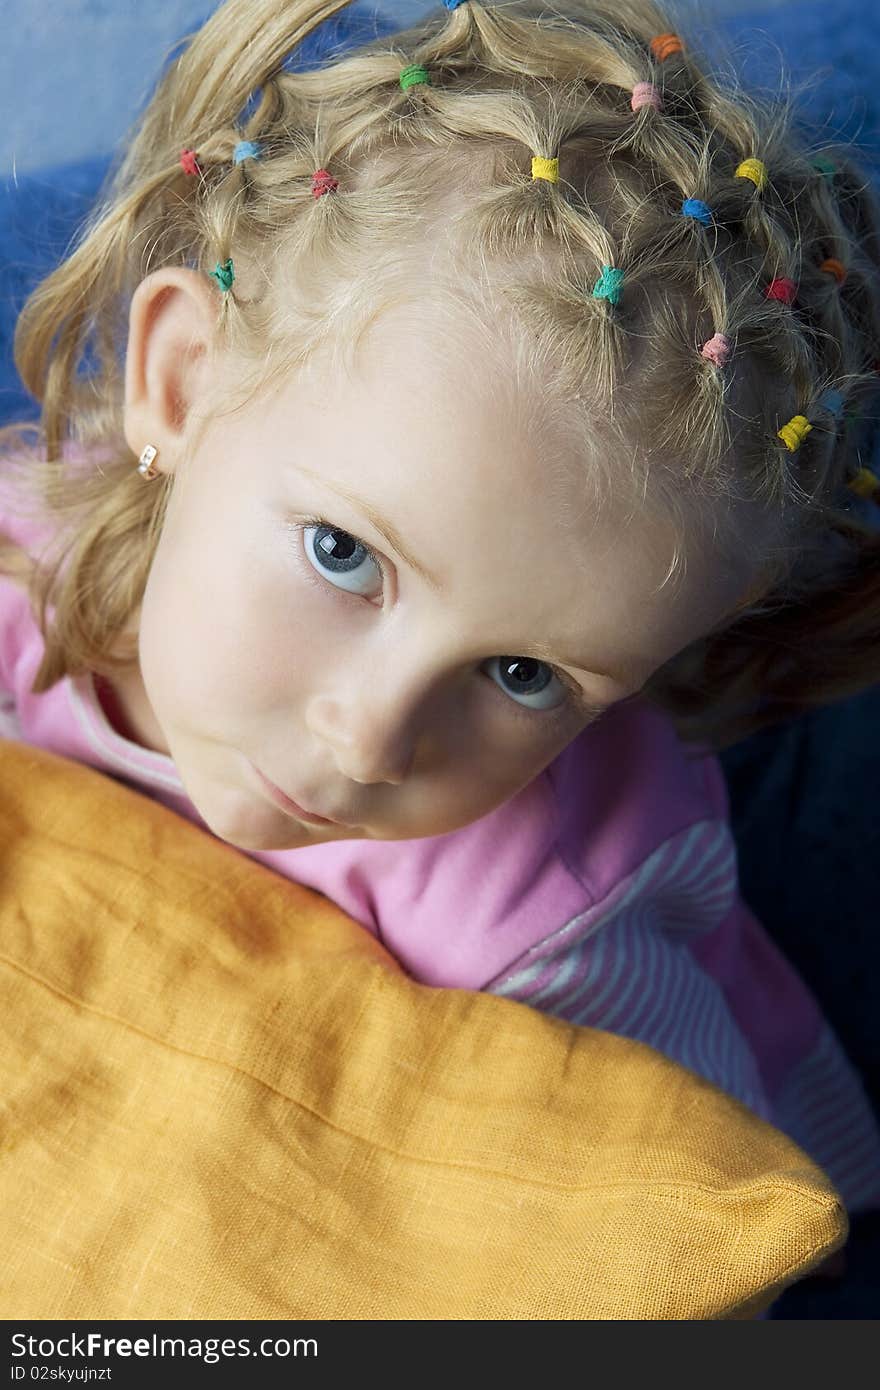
450	406
455	398
424	417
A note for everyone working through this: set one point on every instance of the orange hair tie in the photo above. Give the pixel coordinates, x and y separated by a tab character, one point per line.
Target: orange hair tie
834	267
664	45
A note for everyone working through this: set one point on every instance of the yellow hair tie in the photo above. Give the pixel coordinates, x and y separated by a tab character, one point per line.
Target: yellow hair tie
795	432
865	483
545	169
753	169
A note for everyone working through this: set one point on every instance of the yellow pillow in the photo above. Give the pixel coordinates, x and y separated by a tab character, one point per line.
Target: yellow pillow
223	1099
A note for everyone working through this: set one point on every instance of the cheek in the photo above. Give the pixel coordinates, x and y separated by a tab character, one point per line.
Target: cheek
490	763
466	789
226	631
499	784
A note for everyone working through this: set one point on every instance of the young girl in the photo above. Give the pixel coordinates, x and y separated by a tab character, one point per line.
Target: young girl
444	453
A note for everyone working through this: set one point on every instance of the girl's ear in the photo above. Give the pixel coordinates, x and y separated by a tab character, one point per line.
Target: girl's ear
170	330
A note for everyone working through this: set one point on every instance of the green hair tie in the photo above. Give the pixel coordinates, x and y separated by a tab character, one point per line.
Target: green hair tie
824	166
608	285
223	274
413	74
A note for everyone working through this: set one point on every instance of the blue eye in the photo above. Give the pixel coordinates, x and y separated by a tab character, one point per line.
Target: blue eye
523	677
341	558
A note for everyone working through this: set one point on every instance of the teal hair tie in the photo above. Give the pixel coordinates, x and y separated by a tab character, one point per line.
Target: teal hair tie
608	285
413	74
693	207
223	274
824	166
245	149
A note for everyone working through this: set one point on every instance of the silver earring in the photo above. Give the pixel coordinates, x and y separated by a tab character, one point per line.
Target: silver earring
145	465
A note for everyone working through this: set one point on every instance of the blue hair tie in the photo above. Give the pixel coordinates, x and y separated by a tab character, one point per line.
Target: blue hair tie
833	401
453	4
608	285
245	149
693	207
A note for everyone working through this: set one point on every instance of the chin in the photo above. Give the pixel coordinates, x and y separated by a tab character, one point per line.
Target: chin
256	832
248	828
237	817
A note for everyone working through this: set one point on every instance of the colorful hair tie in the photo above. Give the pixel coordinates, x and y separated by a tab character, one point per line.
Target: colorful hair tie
545	169
701	212
323	182
453	4
189	162
795	432
753	169
717	350
865	483
783	290
664	45
413	75
646	94
833	401
834	267
823	166
609	284
223	274
245	149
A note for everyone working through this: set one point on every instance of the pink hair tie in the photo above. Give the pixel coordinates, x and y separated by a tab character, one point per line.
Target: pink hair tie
323	182
189	162
783	290
717	350
646	94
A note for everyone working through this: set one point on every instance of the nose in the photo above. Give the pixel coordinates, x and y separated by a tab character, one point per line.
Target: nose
371	738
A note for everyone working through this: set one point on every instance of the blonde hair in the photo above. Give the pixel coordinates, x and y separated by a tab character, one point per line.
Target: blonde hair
449	161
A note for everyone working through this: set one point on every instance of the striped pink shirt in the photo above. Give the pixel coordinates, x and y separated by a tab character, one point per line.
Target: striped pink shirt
605	893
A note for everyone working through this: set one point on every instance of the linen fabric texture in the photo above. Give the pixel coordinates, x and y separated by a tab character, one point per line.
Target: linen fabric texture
222	1098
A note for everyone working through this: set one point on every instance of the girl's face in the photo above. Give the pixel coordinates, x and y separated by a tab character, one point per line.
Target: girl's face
367	591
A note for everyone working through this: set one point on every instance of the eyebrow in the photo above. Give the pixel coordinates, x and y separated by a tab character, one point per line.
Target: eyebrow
391	536
544	653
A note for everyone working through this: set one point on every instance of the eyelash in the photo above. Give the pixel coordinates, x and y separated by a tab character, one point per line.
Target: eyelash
308	521
576	699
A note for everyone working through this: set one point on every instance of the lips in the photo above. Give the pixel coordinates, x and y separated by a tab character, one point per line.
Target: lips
292	807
